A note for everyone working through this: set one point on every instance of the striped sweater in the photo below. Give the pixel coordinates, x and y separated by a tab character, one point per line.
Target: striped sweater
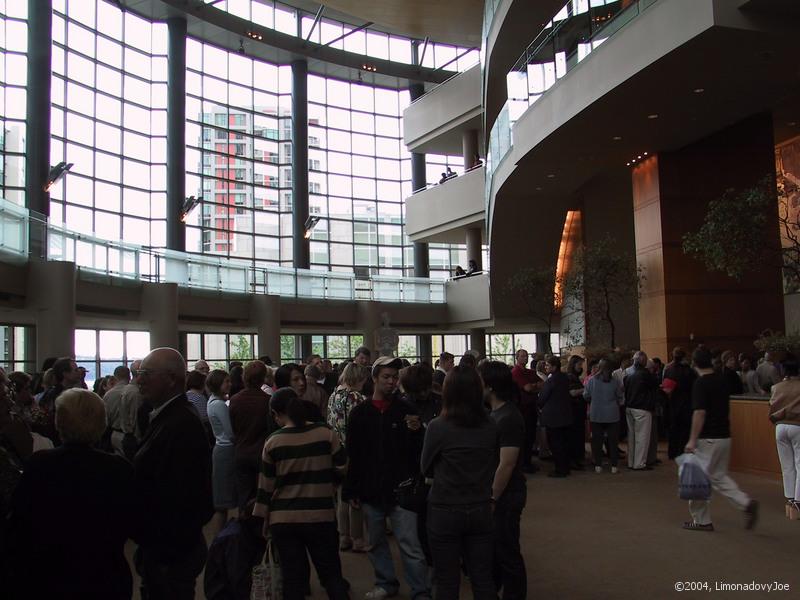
297	475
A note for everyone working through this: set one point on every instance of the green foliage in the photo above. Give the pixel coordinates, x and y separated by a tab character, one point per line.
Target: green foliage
777	341
535	288
601	277
241	349
501	346
287	348
337	347
407	348
731	238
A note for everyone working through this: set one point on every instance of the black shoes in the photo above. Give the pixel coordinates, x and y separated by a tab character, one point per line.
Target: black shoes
751	514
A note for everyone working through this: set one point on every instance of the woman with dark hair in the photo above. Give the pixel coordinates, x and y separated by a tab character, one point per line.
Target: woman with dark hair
223	465
237	380
461	454
295	497
417	384
468	361
604	396
577	438
292	375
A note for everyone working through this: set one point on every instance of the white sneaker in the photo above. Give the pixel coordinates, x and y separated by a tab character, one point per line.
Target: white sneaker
598	469
614	470
377	593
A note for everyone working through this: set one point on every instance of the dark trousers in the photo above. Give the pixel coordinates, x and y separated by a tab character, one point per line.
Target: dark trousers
456	532
174	580
246	480
558	440
321	542
599	431
531	415
577	438
509	566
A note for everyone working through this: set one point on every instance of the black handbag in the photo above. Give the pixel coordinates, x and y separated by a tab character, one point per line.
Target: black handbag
412	494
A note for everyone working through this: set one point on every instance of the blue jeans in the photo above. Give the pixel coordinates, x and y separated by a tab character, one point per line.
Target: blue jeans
404	527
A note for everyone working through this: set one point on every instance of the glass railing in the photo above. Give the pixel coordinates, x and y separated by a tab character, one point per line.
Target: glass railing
489	11
579	28
99	258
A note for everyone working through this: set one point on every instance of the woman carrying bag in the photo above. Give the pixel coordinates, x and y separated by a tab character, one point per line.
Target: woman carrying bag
295	497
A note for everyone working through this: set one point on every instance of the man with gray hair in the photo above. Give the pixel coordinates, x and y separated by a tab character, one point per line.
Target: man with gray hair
641	387
172	475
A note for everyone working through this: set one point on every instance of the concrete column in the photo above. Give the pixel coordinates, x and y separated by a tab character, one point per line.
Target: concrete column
265	314
37	133
300	247
160	310
51	295
543	344
469	147
475	246
368	320
477	340
682	303
425	347
306	347
418	176
176	133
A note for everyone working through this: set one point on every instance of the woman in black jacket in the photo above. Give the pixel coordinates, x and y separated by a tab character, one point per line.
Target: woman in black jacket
461	453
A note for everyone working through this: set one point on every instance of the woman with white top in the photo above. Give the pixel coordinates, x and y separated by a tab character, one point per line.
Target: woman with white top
223	473
784	411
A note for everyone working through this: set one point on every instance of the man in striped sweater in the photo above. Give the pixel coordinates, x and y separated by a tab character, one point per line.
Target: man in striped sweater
295	497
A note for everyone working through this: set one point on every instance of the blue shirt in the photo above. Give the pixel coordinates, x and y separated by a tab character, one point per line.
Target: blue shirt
220	420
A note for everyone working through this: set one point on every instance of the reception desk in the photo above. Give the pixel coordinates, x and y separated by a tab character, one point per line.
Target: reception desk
753	437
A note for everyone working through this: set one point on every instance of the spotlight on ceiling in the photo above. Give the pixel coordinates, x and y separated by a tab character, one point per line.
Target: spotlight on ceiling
653	116
55	174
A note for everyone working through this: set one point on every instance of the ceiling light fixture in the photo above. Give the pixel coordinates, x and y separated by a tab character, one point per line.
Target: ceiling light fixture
699	90
653	116
551	175
188	206
617	138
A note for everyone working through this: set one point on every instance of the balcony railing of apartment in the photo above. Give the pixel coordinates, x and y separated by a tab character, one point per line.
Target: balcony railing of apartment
579	28
98	258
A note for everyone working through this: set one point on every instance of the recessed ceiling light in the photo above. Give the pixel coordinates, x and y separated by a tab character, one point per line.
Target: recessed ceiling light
653	116
639	157
551	175
629	164
538	189
645	153
792	123
617	138
699	90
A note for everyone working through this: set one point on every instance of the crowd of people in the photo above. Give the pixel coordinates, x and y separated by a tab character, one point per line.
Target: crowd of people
322	459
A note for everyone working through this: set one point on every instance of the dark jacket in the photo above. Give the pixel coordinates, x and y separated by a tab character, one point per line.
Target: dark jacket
173	481
383	452
73	511
555	401
641	389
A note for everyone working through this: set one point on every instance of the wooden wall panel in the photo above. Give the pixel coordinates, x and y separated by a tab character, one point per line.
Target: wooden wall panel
753	447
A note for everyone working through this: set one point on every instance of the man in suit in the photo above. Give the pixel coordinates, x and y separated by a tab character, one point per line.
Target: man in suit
556	404
172	476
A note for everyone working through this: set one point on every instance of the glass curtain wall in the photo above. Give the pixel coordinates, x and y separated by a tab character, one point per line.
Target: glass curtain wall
100	351
13	78
14	351
238	155
109	100
219	349
109	95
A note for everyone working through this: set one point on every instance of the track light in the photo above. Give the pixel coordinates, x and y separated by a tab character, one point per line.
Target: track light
188	205
55	174
309	225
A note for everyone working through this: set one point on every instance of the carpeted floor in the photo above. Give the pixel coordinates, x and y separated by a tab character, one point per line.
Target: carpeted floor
603	536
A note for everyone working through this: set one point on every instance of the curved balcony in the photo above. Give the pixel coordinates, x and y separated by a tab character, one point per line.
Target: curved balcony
99	259
436	121
443	213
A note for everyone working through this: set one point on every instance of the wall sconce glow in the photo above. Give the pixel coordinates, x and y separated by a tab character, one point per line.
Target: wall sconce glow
309	225
188	206
55	174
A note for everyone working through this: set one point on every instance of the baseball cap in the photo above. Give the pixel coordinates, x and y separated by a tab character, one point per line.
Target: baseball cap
386	361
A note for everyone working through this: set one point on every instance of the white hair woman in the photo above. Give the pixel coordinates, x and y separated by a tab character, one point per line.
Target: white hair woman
73	510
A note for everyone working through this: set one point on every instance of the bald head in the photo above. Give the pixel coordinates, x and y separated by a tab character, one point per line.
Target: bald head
162	376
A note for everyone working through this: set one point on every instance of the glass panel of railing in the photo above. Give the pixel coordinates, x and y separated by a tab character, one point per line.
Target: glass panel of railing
13	228
281	282
310	284
437	292
340	287
416	291
387	290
